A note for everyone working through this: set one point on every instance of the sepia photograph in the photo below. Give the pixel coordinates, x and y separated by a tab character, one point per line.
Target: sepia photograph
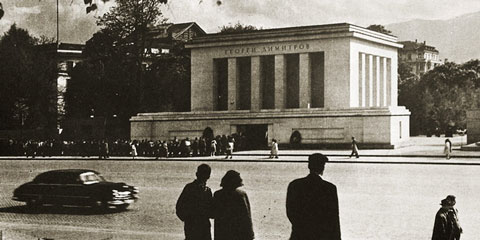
239	119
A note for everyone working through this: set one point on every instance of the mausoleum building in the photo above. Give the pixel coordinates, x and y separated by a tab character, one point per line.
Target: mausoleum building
324	83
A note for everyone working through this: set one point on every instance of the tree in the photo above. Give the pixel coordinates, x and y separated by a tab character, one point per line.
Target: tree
129	21
238	28
379	28
28	82
444	94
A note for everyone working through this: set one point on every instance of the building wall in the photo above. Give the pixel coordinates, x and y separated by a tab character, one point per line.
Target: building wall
381	63
336	52
375	127
357	74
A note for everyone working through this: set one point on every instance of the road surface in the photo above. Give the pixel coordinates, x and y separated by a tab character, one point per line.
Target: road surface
377	201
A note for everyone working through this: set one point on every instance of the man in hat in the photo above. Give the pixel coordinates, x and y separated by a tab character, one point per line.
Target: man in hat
446	225
312	204
453	214
194	206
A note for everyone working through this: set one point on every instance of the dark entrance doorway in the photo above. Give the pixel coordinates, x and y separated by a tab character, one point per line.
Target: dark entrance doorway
252	136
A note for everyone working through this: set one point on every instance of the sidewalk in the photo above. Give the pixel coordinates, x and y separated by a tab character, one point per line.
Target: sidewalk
417	147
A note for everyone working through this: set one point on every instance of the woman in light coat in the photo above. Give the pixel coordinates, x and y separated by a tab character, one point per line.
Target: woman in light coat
274	149
447	150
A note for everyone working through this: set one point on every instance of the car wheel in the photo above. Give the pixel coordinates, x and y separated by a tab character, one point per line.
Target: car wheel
122	207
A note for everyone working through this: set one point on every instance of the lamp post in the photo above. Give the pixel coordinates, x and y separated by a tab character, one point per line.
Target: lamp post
58	29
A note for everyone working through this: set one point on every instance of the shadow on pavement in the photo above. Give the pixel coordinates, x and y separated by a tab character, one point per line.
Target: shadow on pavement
63	210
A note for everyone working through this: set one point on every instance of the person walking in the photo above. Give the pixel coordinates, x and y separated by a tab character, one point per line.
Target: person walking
447	150
134	149
312	204
274	149
229	149
232	212
194	206
446	225
213	147
354	148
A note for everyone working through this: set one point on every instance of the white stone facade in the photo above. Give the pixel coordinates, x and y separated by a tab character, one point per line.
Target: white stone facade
328	82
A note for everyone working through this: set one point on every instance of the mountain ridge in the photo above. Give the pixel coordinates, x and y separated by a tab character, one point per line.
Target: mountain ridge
456	38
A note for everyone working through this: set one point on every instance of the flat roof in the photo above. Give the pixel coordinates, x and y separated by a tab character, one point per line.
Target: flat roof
311	32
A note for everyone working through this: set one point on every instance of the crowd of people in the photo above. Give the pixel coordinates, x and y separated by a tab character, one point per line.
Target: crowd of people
199	146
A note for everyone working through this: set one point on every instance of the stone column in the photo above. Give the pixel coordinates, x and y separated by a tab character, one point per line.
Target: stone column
362	84
389	81
393	63
280	78
376	94
304	81
256	90
232	84
370	81
383	90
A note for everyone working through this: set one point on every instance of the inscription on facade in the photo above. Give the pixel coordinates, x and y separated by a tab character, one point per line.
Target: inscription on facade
267	49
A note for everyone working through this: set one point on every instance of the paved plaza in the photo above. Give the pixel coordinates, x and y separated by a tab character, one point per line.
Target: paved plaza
377	200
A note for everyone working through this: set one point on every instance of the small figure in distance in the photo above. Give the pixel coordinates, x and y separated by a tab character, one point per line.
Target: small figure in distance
354	148
447	150
134	149
446	226
229	147
312	204
194	206
213	148
274	149
233	220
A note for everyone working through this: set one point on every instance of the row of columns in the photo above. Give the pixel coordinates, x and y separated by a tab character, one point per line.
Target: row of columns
280	82
375	81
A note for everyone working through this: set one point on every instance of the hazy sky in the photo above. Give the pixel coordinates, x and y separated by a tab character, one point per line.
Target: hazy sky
39	18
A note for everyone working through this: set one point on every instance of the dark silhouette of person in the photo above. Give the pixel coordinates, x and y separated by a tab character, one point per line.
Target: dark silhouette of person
354	148
194	206
446	226
312	204
232	213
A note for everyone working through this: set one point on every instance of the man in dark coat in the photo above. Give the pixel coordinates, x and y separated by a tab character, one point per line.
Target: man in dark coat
232	214
194	206
446	226
312	204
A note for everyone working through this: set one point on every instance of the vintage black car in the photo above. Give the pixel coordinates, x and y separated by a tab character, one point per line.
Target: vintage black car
75	187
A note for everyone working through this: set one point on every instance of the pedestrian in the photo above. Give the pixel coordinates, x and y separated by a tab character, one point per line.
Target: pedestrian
274	149
194	206
447	150
231	210
457	229
213	147
229	150
446	226
312	204
354	148
202	147
134	149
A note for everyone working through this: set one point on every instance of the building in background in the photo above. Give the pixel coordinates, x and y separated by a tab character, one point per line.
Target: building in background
161	39
67	55
310	85
419	56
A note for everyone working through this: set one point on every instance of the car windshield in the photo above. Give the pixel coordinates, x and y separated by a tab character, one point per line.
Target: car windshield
91	178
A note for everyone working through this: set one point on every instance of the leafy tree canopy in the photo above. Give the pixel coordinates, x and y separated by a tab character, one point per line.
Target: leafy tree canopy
238	28
379	28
